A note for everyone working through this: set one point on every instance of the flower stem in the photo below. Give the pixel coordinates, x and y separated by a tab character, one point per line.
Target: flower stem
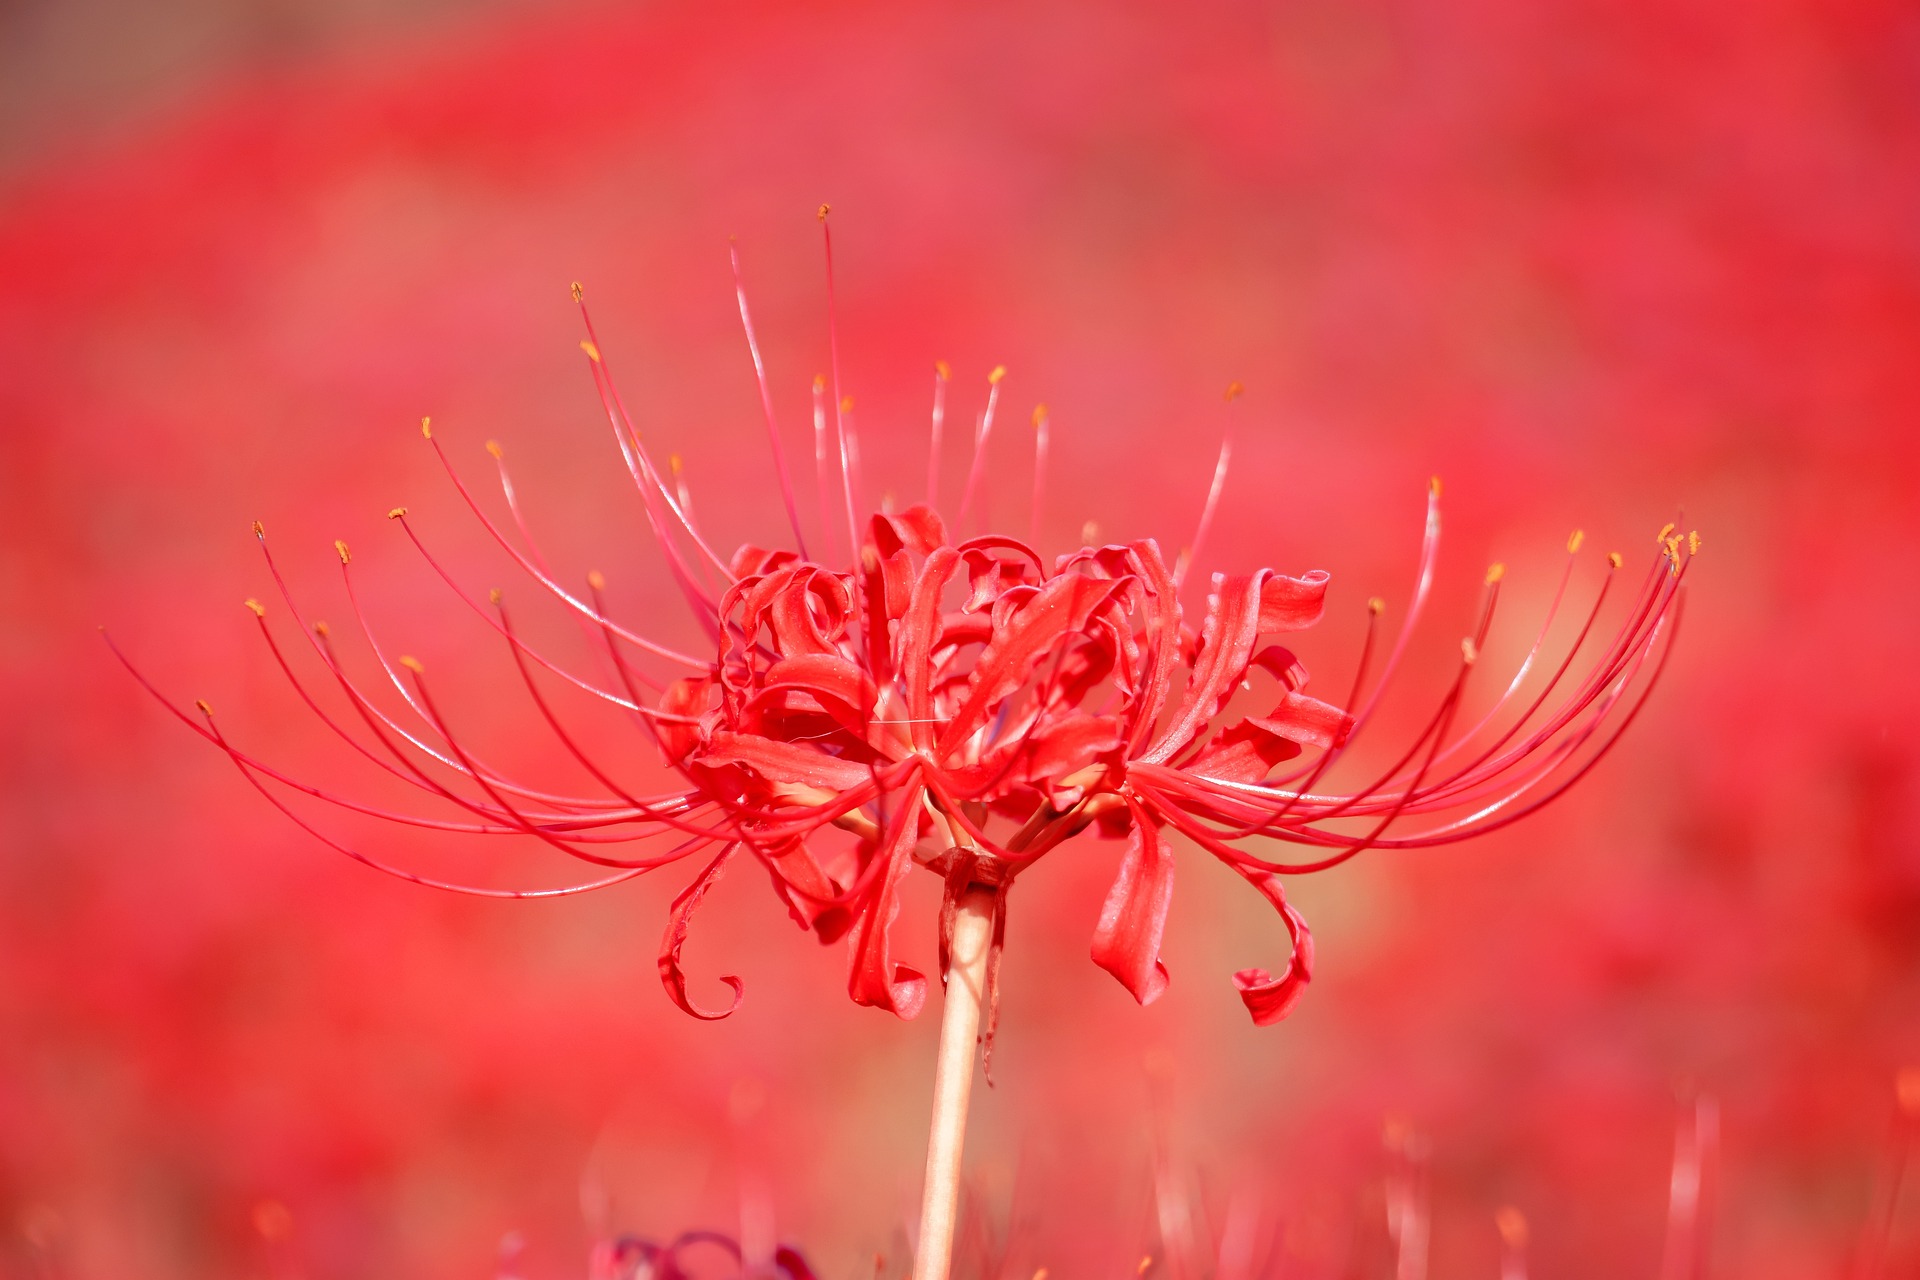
953	1080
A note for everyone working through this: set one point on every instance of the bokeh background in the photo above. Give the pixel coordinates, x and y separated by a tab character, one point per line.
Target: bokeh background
1593	262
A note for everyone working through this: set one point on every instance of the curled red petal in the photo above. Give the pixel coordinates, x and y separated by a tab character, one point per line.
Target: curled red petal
1291	604
785	763
686	697
1127	941
1226	646
876	980
1268	998
679	917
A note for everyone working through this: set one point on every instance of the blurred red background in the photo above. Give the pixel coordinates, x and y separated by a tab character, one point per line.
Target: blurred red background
1590	262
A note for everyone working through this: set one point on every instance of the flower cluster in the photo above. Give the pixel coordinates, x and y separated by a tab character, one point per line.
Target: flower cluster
966	705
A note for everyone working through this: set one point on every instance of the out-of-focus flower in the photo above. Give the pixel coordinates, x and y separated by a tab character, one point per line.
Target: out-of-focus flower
634	1258
967	705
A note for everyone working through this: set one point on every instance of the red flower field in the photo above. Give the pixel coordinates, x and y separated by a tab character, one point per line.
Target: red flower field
1598	268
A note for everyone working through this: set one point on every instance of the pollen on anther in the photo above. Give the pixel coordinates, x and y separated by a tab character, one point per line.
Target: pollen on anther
1613	559
1234	392
1433	486
596	580
1693	542
322	630
493	447
675	465
825	209
412	664
1666	531
1376	606
206	708
426	428
942	370
819	383
846	404
346	556
493	595
259	530
593	352
1574	540
999	372
1039	414
1495	572
579	294
259	610
396	513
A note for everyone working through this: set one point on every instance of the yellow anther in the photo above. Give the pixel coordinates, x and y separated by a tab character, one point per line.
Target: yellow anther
499	454
322	630
819	383
412	664
1040	1274
1673	549
999	372
1089	534
1906	1087
1469	651
493	595
846	404
259	610
206	708
825	209
1613	559
1433	486
1666	531
1575	539
259	530
942	370
426	428
346	557
579	294
396	513
1039	414
593	352
674	465
1495	572
1146	1261
1693	542
1234	392
1512	1225
1376	606
596	580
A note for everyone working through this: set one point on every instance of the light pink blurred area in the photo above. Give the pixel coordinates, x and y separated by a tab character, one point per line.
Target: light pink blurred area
1596	266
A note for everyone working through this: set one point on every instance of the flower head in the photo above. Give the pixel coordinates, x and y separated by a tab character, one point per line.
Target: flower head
967	704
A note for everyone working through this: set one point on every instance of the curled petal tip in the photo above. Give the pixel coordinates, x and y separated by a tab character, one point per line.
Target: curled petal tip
258	610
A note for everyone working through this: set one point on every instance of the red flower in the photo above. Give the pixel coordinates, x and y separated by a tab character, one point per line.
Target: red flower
967	706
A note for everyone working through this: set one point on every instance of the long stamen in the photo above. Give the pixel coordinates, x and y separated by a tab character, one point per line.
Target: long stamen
766	407
976	473
1040	422
1192	553
942	374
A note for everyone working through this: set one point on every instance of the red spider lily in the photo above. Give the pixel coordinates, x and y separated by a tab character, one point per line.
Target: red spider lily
967	706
